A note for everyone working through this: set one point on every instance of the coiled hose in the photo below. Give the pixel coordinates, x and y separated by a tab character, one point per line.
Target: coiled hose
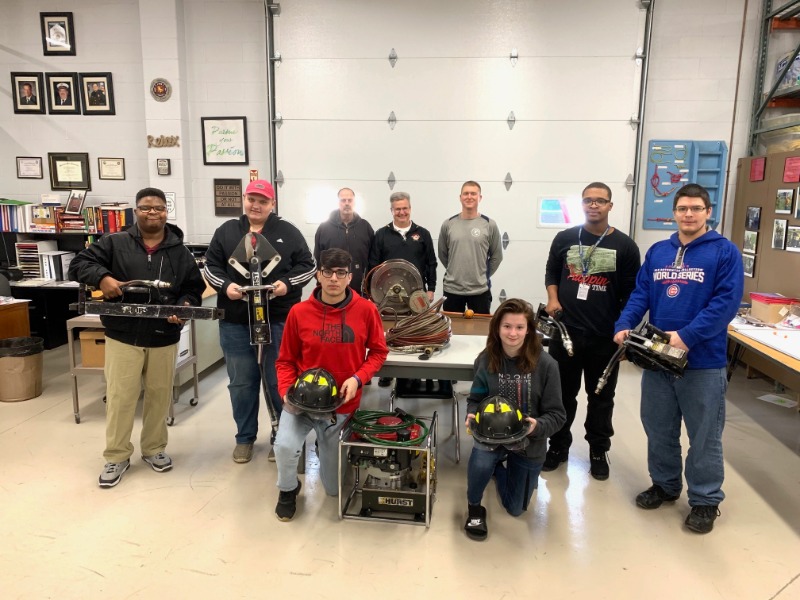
365	423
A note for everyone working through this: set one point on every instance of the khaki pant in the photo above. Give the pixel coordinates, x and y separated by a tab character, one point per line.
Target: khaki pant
127	369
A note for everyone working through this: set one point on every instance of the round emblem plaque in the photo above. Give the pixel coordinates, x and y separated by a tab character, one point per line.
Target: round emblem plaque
161	90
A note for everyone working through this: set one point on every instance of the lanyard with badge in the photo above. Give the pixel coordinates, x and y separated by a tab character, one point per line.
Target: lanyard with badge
583	287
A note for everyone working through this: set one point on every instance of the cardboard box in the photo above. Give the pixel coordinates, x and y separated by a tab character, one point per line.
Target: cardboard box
21	377
769	308
93	348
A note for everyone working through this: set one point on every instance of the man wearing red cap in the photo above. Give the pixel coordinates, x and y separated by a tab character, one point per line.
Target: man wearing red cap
295	269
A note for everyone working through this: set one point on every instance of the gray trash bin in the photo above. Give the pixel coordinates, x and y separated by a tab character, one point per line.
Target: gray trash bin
21	368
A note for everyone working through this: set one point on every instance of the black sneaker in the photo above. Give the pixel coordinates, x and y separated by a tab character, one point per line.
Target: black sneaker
553	458
598	464
287	504
701	519
653	497
384	381
476	523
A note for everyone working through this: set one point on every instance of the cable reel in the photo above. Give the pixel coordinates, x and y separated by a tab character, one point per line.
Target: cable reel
396	287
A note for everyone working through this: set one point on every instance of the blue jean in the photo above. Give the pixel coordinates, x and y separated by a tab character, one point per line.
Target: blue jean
515	483
289	443
241	360
699	399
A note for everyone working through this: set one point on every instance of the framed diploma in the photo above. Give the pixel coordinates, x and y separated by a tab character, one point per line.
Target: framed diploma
29	167
69	171
111	168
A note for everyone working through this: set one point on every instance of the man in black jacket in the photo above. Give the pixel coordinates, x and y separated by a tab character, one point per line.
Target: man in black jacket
295	270
402	238
140	350
346	230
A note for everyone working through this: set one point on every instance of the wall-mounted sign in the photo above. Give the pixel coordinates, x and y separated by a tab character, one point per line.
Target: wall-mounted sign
227	197
224	140
160	90
172	209
253	174
163	166
163	141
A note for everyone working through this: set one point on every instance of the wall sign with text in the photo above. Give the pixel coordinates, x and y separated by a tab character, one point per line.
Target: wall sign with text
224	140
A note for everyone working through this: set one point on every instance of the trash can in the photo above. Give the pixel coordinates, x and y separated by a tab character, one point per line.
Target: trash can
20	368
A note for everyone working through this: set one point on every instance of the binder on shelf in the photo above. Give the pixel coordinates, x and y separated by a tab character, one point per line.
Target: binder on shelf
55	263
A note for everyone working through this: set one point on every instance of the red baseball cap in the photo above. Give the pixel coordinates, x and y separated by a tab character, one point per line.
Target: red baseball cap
261	187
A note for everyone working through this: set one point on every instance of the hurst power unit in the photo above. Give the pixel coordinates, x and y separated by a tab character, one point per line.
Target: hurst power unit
387	467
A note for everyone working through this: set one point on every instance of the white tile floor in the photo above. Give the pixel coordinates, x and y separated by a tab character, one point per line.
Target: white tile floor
207	528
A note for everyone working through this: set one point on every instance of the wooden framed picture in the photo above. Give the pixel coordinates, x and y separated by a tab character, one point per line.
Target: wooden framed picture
69	171
779	234
75	202
29	167
749	263
753	219
97	93
224	140
61	92
227	197
783	202
58	34
28	93
163	166
111	168
793	239
750	242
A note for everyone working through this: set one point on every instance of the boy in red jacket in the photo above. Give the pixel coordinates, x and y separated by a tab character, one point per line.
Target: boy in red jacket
337	330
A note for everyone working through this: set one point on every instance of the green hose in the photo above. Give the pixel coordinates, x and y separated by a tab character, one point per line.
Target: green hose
364	423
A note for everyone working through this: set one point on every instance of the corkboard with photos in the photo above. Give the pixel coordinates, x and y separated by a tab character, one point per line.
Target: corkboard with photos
766	224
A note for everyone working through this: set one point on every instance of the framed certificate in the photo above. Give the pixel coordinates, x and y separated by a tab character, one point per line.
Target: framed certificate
111	168
69	171
29	167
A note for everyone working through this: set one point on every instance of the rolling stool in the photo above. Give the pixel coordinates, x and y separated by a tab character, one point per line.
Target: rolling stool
429	388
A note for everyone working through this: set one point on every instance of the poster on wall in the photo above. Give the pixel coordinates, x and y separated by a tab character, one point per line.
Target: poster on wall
793	239
753	219
749	263
783	202
779	234
224	140
172	208
750	242
227	197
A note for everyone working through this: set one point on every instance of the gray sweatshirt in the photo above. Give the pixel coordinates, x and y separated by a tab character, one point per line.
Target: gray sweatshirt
471	251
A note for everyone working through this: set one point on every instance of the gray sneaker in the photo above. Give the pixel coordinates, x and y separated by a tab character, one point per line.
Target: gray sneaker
271	455
160	462
112	473
243	453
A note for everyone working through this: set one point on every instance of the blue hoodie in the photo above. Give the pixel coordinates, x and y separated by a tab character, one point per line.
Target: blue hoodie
694	289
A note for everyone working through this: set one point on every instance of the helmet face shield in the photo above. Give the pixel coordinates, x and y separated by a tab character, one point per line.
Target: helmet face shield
499	422
315	391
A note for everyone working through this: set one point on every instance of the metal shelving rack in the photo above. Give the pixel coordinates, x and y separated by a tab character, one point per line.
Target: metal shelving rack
782	18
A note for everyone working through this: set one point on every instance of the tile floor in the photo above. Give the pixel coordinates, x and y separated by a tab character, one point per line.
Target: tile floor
207	528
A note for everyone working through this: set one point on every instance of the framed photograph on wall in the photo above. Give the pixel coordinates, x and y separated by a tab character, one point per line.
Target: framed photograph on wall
797	210
29	167
224	140
750	242
753	219
61	92
58	34
749	263
69	171
163	166
28	92
75	202
111	168
97	93
783	202
779	234
793	239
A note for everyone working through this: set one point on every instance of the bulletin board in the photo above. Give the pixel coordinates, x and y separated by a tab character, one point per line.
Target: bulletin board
757	206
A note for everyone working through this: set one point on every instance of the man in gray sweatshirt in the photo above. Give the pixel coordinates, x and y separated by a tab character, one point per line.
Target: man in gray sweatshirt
470	250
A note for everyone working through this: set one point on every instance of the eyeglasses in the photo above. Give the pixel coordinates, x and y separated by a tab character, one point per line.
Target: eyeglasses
399	210
340	273
598	201
682	210
149	209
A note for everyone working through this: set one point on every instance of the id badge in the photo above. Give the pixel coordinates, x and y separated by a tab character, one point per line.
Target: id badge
583	291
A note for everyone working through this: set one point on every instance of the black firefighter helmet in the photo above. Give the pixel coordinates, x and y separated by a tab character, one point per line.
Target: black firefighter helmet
499	422
315	392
